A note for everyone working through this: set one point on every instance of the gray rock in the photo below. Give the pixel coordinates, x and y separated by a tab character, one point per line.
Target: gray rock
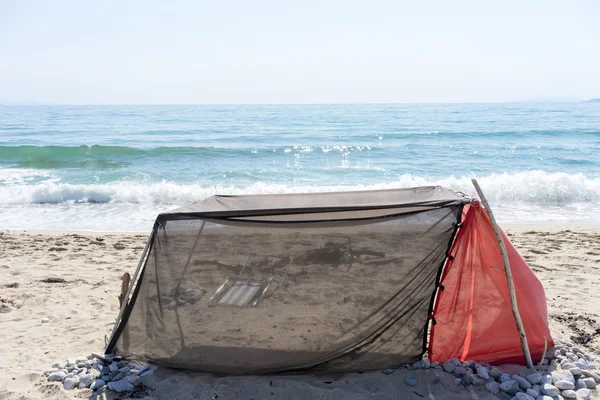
591	374
564	385
510	387
58	365
449	366
70	375
546	379
459	371
580	384
523	383
563	376
546	398
146	373
410	380
97	384
570	354
550	390
85	380
132	378
426	363
537	388
70	383
80	359
584	394
493	387
121	386
458	381
483	372
80	364
118	377
113	367
569	394
533	393
50	371
495	373
57	376
504	378
433	364
417	365
590	383
581	364
575	371
455	361
105	370
524	396
105	378
477	380
121	364
534	378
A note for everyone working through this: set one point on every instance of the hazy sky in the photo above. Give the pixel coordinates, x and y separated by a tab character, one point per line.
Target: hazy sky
304	51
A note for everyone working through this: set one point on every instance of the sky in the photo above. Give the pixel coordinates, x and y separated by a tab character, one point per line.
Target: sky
304	51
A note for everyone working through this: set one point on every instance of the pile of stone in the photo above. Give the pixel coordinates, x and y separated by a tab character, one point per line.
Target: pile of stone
566	373
99	374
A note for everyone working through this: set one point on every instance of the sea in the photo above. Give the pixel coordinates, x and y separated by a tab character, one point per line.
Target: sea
114	168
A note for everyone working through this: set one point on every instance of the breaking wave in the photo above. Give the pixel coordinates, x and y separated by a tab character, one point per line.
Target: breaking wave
531	187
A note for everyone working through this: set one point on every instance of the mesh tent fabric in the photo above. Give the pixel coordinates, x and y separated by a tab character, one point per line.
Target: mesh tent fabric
242	295
473	315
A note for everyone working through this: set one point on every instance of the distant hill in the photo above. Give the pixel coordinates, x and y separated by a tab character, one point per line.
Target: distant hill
596	100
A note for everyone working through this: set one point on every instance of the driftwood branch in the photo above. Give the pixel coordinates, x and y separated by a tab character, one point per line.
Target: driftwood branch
509	277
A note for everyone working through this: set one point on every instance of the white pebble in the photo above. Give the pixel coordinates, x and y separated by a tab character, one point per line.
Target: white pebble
569	394
70	383
584	394
564	385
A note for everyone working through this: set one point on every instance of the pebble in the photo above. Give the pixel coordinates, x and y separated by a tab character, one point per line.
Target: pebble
113	367
495	373
118	377
85	381
458	381
546	379
121	386
546	398
580	384
49	371
483	372
97	384
105	370
476	380
146	373
57	376
58	365
575	371
510	387
435	364
455	361
591	374
524	396
534	378
523	383
590	383
569	394
564	385
70	383
584	394
533	393
563	376
504	378
550	390
426	363
385	371
410	380
493	387
459	371
105	378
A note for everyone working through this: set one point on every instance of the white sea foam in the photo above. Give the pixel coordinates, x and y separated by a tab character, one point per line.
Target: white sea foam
525	196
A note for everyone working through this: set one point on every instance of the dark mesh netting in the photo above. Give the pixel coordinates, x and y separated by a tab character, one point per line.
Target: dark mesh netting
248	297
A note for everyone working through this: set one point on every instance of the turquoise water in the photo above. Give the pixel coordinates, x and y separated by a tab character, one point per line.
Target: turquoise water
115	167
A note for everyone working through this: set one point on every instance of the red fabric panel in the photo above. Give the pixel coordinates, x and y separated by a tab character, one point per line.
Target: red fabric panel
474	319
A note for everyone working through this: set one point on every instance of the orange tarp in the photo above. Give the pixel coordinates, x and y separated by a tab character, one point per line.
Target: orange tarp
472	316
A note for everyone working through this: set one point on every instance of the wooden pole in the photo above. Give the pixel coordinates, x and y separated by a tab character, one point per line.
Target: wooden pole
124	287
509	278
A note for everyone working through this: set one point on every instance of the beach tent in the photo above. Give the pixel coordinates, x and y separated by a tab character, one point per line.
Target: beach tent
327	282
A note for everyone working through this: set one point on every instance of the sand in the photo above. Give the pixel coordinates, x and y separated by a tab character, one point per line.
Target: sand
72	279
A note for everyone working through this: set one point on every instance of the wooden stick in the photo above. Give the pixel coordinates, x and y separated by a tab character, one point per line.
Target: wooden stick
124	287
543	354
509	278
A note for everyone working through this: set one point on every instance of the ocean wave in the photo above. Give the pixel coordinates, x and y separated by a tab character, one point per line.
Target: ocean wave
532	187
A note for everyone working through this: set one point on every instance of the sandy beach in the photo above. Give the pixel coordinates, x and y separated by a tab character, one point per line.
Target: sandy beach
58	299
